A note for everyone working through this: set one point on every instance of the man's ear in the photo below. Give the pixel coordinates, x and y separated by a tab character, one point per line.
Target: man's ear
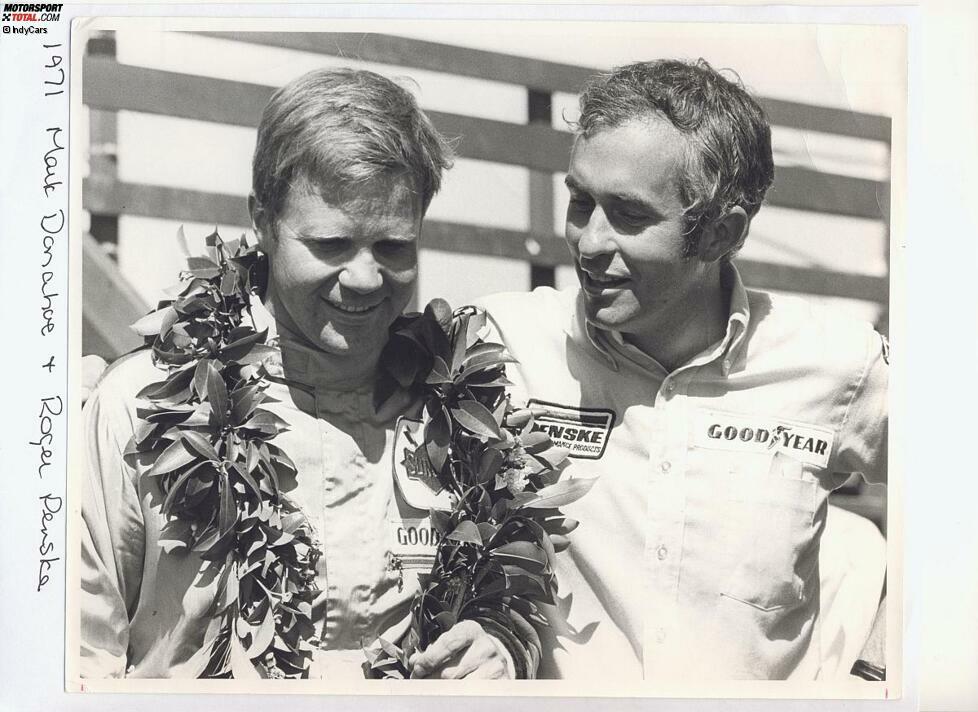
723	235
258	222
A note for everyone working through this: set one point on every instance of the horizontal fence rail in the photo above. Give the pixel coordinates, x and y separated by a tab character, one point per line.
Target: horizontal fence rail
535	74
110	86
111	197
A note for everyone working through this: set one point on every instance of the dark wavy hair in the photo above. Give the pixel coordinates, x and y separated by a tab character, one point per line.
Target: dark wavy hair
728	138
340	128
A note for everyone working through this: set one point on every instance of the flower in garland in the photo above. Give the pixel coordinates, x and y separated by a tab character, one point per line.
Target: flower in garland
496	558
205	438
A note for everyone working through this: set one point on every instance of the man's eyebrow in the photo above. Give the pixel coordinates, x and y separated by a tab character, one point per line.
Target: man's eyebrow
571	183
633	198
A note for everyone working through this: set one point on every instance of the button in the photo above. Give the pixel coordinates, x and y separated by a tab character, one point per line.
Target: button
726	365
660	635
665	466
661	553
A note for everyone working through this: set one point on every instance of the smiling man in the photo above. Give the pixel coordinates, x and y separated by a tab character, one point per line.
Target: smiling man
344	169
718	418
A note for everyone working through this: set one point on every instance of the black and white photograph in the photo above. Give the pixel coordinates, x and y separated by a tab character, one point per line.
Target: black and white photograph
486	350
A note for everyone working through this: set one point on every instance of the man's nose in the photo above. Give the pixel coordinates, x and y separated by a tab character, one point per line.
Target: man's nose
596	235
362	273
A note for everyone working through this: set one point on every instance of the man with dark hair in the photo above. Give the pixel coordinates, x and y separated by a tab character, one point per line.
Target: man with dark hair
345	167
718	418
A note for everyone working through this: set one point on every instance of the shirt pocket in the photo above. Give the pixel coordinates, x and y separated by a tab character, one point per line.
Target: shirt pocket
769	531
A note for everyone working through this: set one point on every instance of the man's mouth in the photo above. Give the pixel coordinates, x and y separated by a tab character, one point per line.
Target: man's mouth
599	281
353	308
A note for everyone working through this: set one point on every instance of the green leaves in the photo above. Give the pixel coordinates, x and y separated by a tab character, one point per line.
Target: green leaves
465	533
203	436
500	541
437	434
476	418
175	456
560	494
524	554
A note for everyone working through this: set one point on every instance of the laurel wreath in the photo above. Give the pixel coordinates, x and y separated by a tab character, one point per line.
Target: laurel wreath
495	560
203	435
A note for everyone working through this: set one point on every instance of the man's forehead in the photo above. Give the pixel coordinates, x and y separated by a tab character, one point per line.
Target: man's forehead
381	194
643	153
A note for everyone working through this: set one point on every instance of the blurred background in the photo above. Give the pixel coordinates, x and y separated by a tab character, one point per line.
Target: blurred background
169	122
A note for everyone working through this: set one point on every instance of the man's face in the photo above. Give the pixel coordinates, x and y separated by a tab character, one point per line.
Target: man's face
342	270
625	227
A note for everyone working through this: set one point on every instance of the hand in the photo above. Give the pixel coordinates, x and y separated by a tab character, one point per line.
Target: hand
465	650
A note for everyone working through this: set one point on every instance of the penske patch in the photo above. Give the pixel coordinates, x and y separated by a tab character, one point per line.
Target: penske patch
811	444
583	432
415	480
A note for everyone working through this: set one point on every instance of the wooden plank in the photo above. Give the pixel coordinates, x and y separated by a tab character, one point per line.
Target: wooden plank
827	119
420	54
116	87
807	189
106	196
540	249
529	72
535	146
111	86
813	280
110	305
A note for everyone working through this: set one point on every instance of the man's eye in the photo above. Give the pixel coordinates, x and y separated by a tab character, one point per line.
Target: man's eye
331	246
394	248
630	217
580	203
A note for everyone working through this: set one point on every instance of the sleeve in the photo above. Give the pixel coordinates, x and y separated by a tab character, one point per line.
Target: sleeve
112	537
863	433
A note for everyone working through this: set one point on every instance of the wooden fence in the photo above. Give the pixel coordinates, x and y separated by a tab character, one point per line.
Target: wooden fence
109	87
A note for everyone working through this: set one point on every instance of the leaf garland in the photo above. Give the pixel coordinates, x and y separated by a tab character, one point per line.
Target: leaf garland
496	555
208	442
206	439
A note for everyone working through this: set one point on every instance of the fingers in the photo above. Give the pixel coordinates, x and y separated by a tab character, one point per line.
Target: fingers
464	651
483	664
449	645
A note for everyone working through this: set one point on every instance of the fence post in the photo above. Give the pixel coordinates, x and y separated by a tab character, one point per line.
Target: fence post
103	150
541	192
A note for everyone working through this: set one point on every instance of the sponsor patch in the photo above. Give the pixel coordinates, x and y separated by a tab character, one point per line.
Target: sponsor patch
413	475
583	432
415	542
807	443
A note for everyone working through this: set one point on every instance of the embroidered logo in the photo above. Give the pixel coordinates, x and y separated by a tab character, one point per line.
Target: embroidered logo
811	444
583	432
416	482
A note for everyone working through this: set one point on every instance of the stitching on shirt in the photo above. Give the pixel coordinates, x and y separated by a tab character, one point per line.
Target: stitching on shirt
860	383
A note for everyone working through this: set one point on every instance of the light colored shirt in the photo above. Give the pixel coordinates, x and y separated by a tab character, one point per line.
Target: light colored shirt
697	554
146	613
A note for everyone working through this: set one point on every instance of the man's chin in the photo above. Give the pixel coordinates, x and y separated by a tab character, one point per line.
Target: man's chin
366	346
608	319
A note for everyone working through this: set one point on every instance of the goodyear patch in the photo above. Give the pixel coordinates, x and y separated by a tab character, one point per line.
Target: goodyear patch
415	480
716	430
583	432
415	542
